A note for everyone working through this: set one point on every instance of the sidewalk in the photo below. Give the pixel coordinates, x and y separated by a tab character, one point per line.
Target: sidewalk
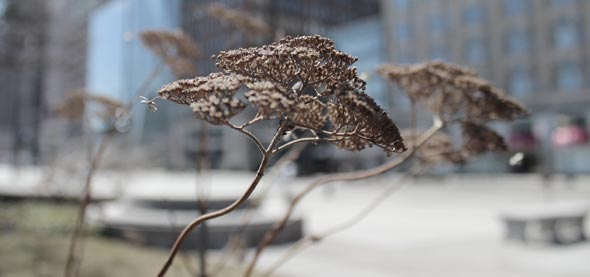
437	227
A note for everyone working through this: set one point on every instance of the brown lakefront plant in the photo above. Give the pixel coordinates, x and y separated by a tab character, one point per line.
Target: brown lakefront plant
81	107
454	95
300	84
248	24
176	51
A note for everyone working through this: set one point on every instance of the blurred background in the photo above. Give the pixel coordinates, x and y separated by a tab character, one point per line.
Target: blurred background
457	219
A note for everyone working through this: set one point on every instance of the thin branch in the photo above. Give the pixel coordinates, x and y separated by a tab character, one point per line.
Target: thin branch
348	176
250	135
73	260
185	258
255	120
309	240
267	154
293	154
296	141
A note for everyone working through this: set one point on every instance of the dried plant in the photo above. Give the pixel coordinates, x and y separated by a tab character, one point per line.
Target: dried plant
478	139
454	95
438	149
177	50
453	92
300	83
240	20
77	107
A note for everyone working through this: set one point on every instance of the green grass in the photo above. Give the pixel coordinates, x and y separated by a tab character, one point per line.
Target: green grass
34	239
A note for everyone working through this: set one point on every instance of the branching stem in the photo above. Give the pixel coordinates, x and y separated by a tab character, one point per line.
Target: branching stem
348	176
267	154
250	135
75	249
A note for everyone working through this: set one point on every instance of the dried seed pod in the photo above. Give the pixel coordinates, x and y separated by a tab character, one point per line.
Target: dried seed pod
438	149
175	48
187	91
217	109
284	79
366	123
308	111
310	59
76	104
478	139
272	100
453	91
240	20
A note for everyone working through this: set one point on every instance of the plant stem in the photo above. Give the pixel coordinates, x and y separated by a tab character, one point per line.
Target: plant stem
259	173
309	240
72	263
348	176
202	165
279	165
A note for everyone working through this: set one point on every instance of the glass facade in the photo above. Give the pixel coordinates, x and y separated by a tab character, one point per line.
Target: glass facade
367	45
474	13
118	63
403	31
439	52
476	52
521	83
516	7
518	42
569	77
437	24
566	35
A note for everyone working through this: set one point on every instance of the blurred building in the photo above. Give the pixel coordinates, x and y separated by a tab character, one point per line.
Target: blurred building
538	51
42	50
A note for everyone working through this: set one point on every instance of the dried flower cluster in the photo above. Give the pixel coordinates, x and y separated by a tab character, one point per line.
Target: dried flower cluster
304	80
240	20
75	106
438	149
456	94
452	91
176	49
478	138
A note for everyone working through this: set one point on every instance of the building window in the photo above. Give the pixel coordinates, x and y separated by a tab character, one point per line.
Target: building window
516	7
476	52
403	31
401	5
405	55
569	77
521	83
473	13
566	35
3	6
518	42
562	3
438	24
439	52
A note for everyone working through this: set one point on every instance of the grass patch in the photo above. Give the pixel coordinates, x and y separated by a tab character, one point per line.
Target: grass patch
34	239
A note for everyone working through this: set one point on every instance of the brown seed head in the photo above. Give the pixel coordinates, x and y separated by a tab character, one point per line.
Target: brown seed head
175	48
303	80
478	139
240	20
453	91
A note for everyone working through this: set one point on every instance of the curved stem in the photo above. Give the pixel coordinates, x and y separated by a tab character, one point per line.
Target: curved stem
250	135
72	263
309	240
349	176
259	173
276	169
300	140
